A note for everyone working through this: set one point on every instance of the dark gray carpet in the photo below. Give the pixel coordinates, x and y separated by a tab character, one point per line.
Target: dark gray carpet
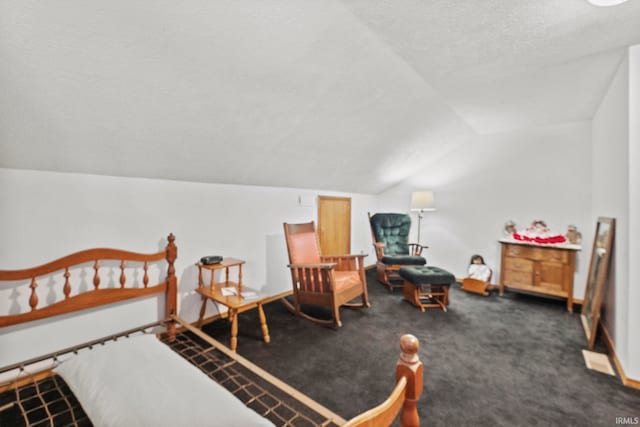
514	360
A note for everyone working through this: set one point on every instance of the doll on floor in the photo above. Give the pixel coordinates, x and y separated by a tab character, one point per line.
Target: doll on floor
478	269
478	276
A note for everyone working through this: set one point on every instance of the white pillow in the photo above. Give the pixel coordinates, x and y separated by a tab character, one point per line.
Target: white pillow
139	381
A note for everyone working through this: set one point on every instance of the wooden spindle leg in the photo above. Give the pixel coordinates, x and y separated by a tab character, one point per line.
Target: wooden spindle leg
145	278
96	276
233	314
202	310
123	278
263	324
67	286
33	299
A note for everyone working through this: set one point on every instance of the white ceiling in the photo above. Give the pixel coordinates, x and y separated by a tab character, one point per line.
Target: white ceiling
350	95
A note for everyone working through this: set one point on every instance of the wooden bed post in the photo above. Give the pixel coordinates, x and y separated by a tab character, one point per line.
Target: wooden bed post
410	367
172	286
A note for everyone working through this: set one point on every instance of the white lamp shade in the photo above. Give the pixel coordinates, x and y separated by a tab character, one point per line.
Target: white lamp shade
422	201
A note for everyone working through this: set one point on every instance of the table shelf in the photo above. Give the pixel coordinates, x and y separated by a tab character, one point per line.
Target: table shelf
235	304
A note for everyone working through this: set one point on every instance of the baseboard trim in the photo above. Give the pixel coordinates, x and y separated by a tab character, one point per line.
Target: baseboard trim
626	381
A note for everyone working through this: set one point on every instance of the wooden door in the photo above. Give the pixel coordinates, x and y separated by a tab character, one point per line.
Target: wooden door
334	225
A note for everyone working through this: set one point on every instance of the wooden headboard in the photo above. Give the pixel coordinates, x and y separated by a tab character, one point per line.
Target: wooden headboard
75	299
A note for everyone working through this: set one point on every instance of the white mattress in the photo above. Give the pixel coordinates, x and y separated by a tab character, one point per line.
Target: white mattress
139	381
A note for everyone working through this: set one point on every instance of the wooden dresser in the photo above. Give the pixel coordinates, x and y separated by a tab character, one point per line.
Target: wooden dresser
541	270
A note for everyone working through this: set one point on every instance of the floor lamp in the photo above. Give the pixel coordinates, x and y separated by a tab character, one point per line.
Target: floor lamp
421	202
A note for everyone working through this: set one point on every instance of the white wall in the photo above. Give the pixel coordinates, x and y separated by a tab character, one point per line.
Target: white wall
610	188
616	193
633	300
45	215
489	179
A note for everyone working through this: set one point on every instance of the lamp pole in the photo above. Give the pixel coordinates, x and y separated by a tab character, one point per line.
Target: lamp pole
422	201
420	215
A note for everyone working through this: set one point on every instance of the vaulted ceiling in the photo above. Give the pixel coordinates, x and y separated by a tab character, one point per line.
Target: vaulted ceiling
350	95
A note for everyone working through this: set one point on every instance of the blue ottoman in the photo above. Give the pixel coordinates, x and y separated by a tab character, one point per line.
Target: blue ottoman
426	286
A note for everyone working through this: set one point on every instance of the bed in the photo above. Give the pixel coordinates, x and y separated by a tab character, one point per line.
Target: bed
161	373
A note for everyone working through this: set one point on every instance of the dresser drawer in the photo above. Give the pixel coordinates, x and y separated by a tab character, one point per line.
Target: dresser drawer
518	264
537	253
554	255
518	278
519	251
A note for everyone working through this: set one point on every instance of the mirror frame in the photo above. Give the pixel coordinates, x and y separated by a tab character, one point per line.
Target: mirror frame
596	281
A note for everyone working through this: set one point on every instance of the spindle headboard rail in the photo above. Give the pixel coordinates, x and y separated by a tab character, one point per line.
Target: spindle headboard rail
75	299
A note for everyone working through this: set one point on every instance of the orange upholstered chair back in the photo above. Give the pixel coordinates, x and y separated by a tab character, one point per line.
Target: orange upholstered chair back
302	243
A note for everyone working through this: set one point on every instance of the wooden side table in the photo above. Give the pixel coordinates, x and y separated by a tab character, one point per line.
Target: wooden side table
230	294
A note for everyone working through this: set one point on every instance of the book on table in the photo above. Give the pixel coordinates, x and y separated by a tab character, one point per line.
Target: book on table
230	291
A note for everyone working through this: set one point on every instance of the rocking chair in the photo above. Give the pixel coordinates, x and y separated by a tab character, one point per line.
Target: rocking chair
477	286
390	233
329	281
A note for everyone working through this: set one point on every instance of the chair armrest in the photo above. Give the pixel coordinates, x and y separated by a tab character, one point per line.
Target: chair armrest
346	262
418	244
416	248
320	265
347	256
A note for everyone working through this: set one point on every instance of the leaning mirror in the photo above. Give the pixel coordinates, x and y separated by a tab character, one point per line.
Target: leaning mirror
597	278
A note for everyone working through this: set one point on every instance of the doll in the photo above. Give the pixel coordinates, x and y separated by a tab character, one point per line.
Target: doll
478	269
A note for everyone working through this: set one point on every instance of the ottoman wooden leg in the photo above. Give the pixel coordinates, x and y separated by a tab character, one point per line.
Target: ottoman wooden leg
443	297
434	296
411	293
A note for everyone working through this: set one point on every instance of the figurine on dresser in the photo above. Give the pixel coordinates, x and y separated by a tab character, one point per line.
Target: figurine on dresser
539	233
509	228
573	235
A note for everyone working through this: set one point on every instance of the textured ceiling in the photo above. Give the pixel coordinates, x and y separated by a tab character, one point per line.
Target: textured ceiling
509	64
335	95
